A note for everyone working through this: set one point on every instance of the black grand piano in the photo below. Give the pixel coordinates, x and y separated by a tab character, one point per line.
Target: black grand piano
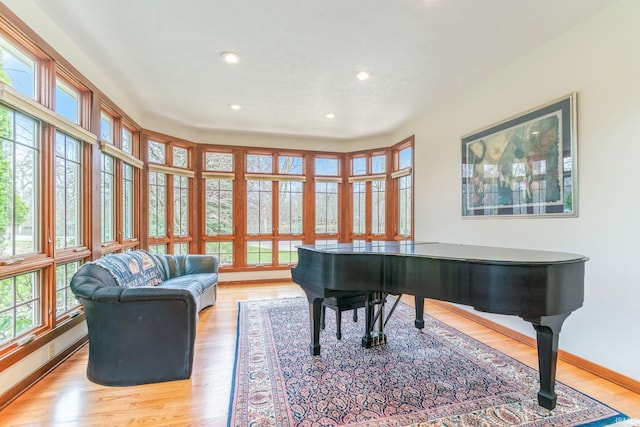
540	287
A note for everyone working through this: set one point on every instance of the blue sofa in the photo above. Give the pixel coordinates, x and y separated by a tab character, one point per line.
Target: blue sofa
141	311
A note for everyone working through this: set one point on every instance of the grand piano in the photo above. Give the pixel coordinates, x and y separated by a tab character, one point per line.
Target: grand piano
541	287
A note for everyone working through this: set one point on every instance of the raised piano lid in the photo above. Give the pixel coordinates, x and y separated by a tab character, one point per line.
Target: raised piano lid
453	251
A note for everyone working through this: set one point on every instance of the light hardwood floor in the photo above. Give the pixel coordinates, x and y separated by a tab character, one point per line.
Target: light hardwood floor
66	398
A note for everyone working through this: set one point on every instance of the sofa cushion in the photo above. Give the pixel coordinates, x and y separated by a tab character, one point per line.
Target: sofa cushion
188	283
131	269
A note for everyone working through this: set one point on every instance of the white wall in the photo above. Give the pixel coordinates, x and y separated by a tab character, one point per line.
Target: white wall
600	60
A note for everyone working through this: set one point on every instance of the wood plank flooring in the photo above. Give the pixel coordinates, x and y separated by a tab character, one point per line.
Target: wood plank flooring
66	398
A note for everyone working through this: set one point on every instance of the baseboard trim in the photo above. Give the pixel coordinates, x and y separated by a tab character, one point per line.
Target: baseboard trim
578	362
28	382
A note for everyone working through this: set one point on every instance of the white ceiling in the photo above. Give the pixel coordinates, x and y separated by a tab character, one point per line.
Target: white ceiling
300	57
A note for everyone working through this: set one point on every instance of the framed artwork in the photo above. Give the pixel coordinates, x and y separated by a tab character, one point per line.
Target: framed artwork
524	166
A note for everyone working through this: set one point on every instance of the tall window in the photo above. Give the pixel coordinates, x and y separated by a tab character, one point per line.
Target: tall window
327	207
403	176
180	206
169	230
108	181
127	201
157	204
219	219
68	191
274	221
369	179
19	175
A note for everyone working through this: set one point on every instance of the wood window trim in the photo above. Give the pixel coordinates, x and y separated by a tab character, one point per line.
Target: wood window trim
17	100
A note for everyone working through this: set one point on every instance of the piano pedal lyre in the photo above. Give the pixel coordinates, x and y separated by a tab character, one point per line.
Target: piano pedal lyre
374	315
375	318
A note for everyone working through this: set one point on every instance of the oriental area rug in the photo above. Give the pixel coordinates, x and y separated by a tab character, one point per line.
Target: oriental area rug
434	377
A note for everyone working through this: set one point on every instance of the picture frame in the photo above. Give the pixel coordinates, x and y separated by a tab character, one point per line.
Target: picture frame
525	166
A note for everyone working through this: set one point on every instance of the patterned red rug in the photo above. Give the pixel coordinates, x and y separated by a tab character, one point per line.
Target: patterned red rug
437	377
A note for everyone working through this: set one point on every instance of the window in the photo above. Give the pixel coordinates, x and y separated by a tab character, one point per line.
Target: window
127	140
68	191
169	188
157	204
403	177
180	206
259	252
219	217
327	207
17	69
180	157
127	201
218	206
20	302
287	251
65	300
19	177
108	175
369	188
106	127
259	207
327	166
259	163
358	190
157	152
220	162
67	101
378	207
223	250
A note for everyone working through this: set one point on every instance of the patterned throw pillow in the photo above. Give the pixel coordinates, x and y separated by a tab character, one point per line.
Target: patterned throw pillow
132	269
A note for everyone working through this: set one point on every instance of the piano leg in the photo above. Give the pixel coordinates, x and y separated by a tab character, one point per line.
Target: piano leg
548	331
419	323
315	309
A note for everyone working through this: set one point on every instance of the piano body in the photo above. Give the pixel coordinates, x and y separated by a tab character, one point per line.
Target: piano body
541	287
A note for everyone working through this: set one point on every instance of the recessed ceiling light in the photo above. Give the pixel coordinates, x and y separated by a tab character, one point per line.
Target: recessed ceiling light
230	57
235	107
330	116
363	75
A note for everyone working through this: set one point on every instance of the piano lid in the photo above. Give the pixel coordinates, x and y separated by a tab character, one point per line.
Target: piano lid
452	251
